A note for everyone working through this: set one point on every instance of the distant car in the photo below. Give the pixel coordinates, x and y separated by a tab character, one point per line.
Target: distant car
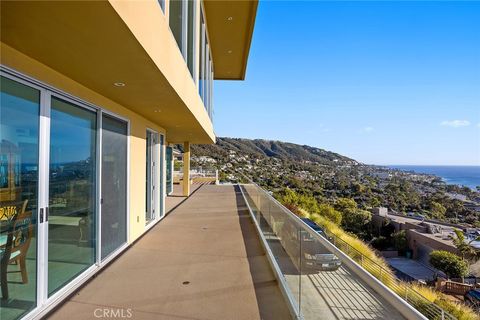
316	256
472	298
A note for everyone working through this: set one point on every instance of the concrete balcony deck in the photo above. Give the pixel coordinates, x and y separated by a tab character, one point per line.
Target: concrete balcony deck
203	261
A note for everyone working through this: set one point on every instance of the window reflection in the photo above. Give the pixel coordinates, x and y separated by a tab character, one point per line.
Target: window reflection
205	82
19	127
72	188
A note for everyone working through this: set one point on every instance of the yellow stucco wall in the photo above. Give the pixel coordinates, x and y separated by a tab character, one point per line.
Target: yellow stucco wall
138	126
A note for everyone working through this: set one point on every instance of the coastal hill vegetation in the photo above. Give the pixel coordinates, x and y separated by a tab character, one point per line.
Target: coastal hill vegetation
327	177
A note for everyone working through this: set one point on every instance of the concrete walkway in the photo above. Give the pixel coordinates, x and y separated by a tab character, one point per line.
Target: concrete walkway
203	261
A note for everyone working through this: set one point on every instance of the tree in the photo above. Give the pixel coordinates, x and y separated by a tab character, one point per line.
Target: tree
353	219
437	210
451	264
330	213
400	240
345	205
356	220
467	251
177	165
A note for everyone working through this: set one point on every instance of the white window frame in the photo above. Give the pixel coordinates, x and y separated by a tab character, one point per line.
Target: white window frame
45	304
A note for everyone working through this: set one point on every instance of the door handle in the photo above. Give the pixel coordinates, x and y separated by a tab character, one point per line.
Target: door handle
41	215
46	214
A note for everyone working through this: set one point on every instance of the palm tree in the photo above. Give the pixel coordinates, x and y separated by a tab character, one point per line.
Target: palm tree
469	253
465	248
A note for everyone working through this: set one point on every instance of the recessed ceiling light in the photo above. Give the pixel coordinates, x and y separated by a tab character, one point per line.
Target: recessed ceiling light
119	84
230	18
157	110
229	51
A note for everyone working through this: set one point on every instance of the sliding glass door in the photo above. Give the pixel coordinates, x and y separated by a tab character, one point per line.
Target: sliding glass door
72	192
63	192
150	176
169	171
19	171
161	175
114	184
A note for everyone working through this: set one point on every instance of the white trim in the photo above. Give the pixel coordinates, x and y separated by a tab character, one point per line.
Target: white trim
197	36
43	193
167	13
154	177
98	204
128	181
184	45
162	173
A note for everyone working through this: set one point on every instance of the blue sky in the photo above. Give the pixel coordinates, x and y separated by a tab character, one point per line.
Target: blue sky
381	82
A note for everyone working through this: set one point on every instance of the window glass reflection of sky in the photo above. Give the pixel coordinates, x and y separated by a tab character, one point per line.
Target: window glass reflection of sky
19	120
72	133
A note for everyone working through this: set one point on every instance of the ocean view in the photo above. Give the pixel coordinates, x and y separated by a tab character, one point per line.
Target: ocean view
462	175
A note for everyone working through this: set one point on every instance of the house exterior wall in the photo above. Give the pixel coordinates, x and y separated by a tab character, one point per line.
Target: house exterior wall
138	127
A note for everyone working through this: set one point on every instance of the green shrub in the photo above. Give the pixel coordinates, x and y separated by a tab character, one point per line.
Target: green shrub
451	264
353	218
380	243
330	213
400	240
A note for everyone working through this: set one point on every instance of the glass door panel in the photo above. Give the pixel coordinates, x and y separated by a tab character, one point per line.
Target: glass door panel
72	192
19	148
114	184
150	174
169	173
161	175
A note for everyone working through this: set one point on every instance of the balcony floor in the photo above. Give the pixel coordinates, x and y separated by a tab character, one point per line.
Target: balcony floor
203	261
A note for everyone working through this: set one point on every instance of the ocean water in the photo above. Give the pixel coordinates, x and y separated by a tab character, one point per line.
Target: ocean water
462	175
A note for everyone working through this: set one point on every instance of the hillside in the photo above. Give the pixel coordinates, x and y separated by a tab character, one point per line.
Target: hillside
260	148
329	176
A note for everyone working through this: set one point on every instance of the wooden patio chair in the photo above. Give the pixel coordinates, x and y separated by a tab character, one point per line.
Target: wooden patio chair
14	246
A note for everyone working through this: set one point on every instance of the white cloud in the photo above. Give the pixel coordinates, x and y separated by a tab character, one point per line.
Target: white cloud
368	129
455	123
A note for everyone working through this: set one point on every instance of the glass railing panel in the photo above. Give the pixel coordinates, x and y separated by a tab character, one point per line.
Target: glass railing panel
325	277
280	232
